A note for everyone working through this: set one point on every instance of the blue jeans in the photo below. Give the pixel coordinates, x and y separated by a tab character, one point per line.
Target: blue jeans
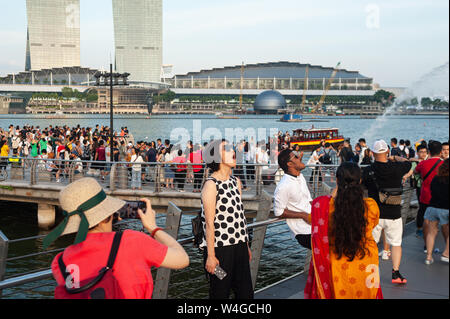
437	215
136	179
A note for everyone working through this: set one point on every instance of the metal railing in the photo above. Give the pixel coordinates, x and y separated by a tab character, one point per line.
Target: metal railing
154	177
272	247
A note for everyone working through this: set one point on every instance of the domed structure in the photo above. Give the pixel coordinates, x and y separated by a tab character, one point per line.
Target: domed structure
269	102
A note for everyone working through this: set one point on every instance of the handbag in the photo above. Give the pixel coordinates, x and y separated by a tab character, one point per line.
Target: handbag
387	196
197	230
391	196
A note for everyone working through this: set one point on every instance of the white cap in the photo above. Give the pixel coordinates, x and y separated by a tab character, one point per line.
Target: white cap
380	147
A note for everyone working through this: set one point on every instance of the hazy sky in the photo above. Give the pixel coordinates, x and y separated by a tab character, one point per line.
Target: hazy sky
393	41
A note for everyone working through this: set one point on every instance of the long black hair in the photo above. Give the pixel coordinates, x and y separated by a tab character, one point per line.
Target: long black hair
348	224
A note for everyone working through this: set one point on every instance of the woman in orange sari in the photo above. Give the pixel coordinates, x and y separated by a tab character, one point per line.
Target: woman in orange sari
344	263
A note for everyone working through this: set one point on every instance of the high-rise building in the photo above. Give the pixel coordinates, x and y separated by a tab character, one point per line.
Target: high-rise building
53	34
138	38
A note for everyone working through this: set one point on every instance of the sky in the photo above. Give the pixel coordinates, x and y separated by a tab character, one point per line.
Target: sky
394	42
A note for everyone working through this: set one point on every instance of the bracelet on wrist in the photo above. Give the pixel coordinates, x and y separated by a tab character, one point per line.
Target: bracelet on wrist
155	231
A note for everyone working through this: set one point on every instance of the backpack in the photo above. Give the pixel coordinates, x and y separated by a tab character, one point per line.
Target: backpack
87	152
104	286
412	152
326	159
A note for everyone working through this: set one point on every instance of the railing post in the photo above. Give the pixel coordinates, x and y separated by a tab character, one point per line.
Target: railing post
258	180
123	176
259	234
71	171
4	243
112	177
162	281
157	179
33	173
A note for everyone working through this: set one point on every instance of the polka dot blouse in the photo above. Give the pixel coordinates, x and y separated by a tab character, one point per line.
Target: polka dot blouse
230	223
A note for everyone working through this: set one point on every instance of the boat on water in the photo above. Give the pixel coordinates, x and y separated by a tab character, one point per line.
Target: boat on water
292	118
59	115
309	139
220	116
297	118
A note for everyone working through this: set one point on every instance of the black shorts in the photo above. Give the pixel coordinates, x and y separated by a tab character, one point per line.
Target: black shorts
101	165
304	241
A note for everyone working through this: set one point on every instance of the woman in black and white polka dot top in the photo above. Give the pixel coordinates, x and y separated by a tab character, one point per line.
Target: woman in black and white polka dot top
226	241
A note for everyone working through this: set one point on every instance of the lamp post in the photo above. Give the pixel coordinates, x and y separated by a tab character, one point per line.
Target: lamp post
111	79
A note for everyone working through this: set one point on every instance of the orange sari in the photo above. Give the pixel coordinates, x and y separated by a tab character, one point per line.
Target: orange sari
333	278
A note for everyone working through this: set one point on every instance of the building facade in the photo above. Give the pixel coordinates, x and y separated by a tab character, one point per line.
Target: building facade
53	34
287	76
126	100
11	104
138	39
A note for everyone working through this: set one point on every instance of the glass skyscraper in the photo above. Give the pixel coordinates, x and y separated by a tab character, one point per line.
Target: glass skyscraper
138	38
53	34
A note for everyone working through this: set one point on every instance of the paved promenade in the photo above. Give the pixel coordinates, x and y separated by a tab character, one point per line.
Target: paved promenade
424	282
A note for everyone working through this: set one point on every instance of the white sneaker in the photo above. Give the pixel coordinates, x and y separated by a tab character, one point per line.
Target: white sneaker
386	255
444	259
429	262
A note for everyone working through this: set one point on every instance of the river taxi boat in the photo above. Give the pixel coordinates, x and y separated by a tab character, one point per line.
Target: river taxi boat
309	139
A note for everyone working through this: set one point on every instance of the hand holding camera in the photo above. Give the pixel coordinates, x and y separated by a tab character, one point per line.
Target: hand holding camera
148	216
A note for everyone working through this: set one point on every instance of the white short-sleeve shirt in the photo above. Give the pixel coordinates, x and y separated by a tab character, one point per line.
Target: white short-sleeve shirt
293	193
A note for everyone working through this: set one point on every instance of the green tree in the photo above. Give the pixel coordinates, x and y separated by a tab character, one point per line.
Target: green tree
426	102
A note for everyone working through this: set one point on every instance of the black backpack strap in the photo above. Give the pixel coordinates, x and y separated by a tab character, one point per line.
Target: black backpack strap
431	170
114	250
111	260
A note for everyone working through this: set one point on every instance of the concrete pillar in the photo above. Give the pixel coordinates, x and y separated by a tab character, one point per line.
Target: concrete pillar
51	78
14	79
46	216
32	78
357	83
70	79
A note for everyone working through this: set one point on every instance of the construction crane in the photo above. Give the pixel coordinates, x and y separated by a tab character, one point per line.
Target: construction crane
305	87
241	97
318	107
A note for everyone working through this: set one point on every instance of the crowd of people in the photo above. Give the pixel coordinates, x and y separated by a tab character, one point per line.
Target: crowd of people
342	230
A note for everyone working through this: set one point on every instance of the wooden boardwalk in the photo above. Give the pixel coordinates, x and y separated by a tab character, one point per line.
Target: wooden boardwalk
424	282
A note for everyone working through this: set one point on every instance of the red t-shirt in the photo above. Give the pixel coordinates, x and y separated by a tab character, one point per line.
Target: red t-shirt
423	168
137	253
196	158
180	160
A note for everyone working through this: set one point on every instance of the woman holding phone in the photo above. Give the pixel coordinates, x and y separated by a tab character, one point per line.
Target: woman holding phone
226	242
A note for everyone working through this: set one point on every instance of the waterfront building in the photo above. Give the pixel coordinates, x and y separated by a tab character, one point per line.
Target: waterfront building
11	104
126	100
270	102
138	39
287	77
66	76
53	34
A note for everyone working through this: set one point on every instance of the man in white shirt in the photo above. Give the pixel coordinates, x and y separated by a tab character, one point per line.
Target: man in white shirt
292	197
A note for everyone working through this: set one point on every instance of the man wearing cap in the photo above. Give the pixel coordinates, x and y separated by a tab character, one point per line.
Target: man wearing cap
385	176
88	212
